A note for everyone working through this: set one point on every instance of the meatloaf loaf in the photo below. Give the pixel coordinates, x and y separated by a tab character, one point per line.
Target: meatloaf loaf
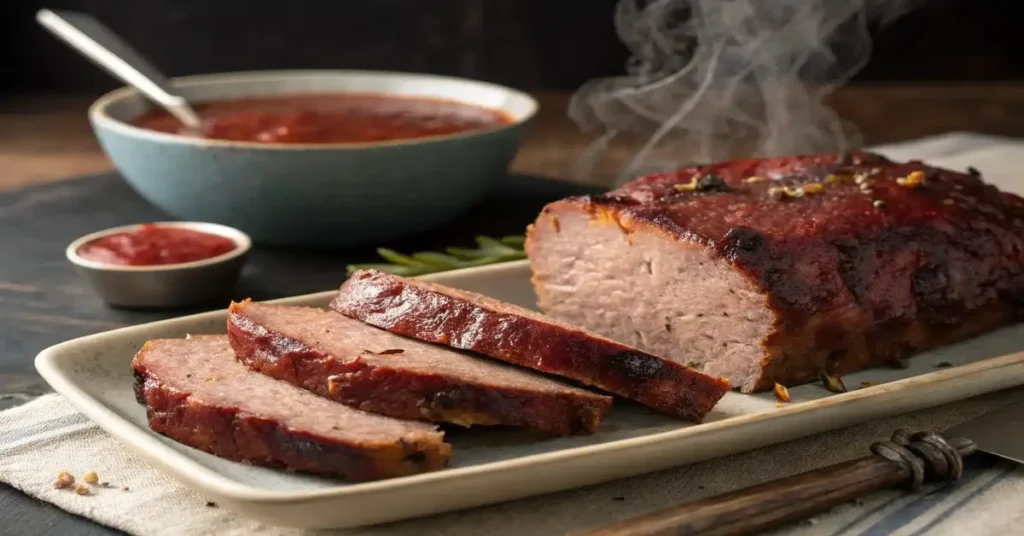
197	394
778	270
470	321
369	368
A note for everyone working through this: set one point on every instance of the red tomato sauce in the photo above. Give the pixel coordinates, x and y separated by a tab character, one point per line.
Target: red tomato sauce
152	245
331	118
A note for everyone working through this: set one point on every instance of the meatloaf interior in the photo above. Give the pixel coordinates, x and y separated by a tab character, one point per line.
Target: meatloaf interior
668	297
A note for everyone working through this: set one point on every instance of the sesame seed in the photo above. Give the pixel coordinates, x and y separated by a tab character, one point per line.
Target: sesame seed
879	203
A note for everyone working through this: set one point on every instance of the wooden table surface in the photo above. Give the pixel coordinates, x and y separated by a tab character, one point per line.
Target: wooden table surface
44	139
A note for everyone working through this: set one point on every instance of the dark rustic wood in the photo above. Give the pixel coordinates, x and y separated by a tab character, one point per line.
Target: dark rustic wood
24	516
770	505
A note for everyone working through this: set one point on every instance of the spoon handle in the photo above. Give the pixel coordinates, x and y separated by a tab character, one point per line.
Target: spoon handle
101	45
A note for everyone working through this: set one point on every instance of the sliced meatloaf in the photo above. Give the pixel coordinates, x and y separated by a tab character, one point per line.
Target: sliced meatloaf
369	368
470	321
197	394
777	270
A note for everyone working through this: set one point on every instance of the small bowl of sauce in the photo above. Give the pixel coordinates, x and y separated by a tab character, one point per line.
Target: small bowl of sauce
161	264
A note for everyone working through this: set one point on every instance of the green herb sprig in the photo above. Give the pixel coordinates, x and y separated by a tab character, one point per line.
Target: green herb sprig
488	251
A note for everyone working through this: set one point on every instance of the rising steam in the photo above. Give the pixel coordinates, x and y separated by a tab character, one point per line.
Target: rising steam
707	76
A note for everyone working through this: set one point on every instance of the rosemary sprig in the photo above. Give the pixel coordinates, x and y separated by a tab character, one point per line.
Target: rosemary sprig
488	251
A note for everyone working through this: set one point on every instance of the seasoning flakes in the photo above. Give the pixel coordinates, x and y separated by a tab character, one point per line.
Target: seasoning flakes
781	393
912	180
687	187
704	183
779	193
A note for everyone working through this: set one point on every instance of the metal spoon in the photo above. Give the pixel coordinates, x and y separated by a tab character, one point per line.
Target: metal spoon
98	43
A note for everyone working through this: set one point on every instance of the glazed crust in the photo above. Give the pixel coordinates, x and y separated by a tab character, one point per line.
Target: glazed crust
868	269
234	432
395	387
473	322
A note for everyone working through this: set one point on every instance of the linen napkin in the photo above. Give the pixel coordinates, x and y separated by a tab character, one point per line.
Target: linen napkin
47	435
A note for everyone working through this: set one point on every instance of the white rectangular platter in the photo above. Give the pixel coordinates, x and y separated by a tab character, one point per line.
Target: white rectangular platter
491	465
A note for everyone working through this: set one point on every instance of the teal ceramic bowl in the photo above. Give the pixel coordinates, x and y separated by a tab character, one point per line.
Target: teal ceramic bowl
318	195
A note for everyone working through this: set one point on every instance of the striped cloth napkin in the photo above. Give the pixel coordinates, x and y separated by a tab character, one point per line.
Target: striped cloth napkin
47	435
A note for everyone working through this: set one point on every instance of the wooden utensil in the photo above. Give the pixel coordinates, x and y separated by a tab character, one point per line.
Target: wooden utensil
906	459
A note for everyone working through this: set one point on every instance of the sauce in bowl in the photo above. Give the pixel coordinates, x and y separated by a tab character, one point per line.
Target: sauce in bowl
154	245
331	118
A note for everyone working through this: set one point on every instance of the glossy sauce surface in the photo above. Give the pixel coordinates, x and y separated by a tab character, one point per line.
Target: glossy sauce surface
152	245
331	118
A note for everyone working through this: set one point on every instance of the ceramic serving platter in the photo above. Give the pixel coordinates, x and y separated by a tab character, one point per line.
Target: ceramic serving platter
492	465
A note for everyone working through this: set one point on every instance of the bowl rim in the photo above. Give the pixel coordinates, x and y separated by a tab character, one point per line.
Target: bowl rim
242	241
98	109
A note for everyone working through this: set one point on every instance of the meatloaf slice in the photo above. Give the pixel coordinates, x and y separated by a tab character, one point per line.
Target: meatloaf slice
366	367
196	393
777	270
471	321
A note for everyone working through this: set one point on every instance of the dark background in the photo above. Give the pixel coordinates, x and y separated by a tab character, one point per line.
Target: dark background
530	44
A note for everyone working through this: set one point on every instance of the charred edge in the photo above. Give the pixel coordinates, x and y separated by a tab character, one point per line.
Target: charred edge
637	365
452	399
609	199
138	387
413	456
850	261
418	459
712	184
741	242
933	291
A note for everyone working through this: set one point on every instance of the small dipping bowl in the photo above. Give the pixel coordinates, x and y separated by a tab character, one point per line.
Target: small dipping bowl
163	285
